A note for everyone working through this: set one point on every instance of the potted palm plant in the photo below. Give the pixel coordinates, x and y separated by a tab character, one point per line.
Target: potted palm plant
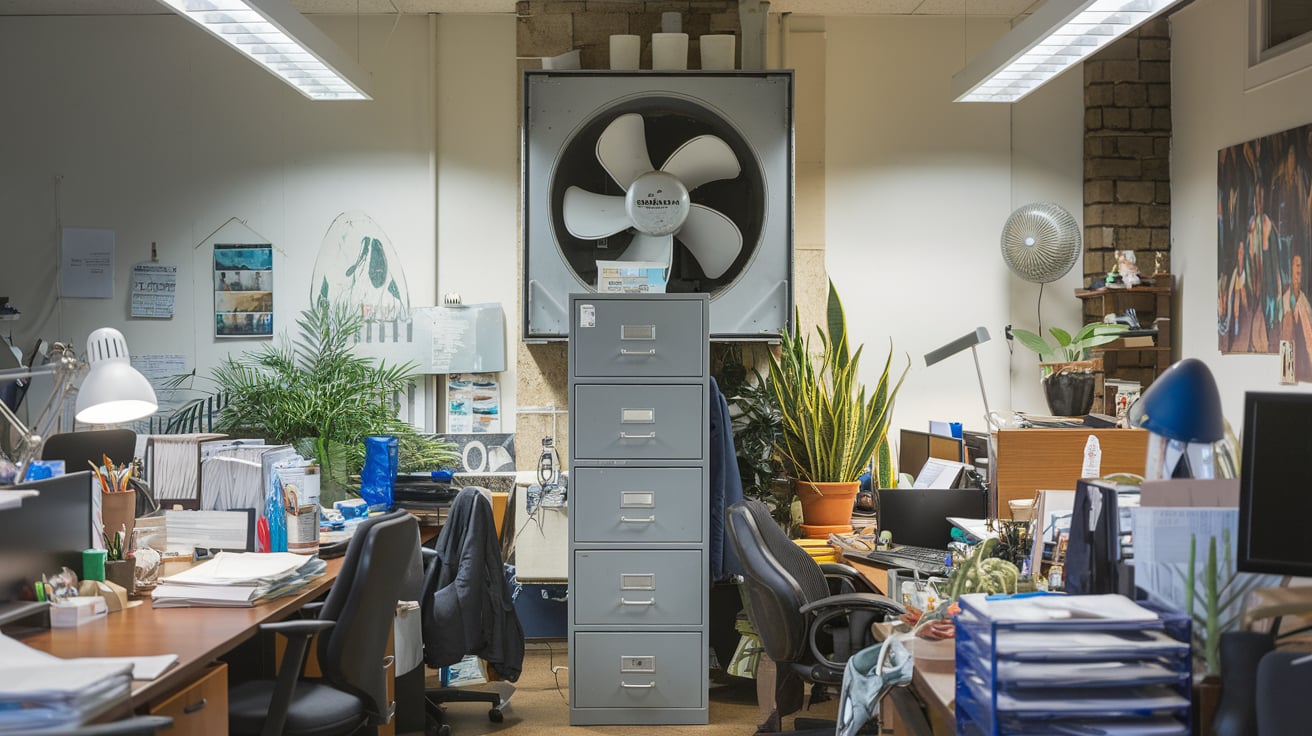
1068	372
830	425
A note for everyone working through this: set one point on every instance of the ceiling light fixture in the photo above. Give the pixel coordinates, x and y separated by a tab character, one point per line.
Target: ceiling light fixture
277	37
1056	36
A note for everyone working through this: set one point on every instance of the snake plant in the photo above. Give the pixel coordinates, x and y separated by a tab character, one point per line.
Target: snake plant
831	425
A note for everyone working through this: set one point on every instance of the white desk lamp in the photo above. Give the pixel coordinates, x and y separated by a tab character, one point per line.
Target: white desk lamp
112	392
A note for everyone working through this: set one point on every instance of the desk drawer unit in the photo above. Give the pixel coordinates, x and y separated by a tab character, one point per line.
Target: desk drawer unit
637	505
201	708
629	338
639	571
638	587
638	422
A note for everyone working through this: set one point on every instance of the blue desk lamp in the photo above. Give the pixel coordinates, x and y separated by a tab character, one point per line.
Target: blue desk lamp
1182	411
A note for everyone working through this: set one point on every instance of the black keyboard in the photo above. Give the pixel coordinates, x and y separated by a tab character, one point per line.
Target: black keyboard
926	560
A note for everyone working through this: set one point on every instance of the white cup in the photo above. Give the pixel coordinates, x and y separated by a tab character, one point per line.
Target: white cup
669	51
717	51
624	51
567	60
671	22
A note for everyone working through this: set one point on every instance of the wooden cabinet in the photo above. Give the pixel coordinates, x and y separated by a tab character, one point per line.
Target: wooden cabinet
200	708
1136	357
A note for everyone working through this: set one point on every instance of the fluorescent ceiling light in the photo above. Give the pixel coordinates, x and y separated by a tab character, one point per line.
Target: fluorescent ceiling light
277	37
1053	38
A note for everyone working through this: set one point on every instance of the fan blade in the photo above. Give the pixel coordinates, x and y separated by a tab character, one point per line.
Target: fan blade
622	149
591	216
654	248
712	239
702	159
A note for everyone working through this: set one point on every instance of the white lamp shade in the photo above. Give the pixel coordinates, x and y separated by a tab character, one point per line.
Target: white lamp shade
113	390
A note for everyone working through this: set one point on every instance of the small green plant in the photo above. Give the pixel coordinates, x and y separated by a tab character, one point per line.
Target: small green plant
982	573
1224	593
1069	348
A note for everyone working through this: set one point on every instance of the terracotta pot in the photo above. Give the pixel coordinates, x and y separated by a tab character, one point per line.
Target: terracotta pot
823	532
827	504
119	512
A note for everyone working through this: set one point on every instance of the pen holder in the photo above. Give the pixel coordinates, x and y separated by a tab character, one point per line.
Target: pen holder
119	512
122	573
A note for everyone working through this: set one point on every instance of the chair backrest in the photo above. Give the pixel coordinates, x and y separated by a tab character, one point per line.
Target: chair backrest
77	448
780	577
1282	691
381	557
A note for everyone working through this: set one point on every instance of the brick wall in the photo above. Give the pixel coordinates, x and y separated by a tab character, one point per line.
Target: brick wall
1127	148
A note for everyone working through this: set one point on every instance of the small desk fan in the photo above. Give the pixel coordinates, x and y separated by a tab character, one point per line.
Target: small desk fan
1041	242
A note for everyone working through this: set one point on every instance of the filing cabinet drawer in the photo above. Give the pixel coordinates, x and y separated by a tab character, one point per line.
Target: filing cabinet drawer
637	422
639	670
637	505
201	708
640	587
639	338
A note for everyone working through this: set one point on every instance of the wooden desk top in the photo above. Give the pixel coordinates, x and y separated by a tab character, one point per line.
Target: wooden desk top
197	635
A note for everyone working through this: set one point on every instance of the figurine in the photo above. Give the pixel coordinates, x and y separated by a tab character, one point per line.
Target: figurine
1127	268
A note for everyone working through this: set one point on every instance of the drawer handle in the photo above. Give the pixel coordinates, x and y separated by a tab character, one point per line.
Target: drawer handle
627	602
196	706
648	686
646	520
627	436
644	353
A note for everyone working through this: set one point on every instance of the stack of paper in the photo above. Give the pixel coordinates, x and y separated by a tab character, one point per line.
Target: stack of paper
238	579
39	691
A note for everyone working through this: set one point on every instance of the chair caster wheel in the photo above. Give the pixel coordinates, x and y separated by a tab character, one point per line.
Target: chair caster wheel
444	730
493	715
433	728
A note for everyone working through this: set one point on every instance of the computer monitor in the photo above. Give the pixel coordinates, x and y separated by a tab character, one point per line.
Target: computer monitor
1275	484
914	448
919	516
47	531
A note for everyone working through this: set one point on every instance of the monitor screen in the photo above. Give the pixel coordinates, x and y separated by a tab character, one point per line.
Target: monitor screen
1275	484
46	531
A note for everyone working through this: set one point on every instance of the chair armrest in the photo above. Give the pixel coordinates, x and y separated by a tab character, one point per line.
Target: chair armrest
298	635
305	627
849	578
311	610
839	568
869	601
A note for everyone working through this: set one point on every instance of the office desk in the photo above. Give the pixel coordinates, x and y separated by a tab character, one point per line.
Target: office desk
927	708
197	635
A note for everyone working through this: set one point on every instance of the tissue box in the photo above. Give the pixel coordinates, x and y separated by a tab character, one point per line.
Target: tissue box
72	612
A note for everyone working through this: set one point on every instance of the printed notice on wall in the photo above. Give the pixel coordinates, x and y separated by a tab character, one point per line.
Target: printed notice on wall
87	267
154	290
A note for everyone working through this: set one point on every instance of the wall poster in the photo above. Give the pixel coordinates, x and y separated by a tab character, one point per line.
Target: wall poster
1264	242
243	290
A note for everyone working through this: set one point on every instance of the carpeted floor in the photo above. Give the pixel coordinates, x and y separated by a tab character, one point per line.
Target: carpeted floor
540	706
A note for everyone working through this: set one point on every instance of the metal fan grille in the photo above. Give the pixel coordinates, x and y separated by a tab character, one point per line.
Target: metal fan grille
1041	242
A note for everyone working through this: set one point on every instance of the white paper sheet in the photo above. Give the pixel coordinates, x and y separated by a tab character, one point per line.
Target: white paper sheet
87	266
154	290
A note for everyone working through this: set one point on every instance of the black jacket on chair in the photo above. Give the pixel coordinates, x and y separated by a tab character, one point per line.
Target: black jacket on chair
466	600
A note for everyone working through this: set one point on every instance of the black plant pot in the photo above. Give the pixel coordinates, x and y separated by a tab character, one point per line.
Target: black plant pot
1069	394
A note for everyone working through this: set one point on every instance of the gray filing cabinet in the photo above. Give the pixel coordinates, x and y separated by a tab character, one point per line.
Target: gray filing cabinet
639	575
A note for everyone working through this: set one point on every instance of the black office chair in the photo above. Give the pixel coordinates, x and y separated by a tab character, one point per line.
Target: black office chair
136	726
466	606
811	618
77	448
353	626
1282	694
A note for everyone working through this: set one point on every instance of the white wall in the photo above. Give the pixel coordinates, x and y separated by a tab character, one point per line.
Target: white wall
162	134
1211	111
918	188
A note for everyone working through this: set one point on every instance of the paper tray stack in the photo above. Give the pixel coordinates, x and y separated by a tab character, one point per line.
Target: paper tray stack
1057	665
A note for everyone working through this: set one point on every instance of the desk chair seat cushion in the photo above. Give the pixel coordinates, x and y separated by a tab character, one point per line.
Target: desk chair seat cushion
317	709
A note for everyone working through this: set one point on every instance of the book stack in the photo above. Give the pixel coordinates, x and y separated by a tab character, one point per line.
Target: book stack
39	691
238	579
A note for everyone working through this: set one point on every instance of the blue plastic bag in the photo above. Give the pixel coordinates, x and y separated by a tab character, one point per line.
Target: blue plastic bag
379	472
